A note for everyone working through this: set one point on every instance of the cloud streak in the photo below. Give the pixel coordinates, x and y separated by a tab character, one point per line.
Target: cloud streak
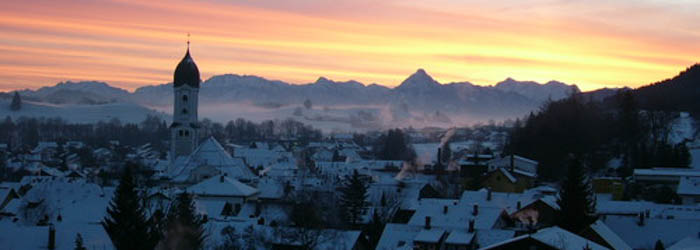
134	43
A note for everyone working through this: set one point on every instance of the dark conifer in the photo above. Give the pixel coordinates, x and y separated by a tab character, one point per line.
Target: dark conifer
16	102
79	243
659	245
185	226
576	199
353	199
126	222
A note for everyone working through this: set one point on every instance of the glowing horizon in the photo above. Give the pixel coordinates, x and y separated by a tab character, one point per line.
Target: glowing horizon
130	44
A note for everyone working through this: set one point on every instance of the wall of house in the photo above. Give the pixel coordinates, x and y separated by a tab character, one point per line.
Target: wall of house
500	183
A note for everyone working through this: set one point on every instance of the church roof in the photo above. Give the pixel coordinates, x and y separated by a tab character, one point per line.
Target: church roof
211	153
223	186
186	72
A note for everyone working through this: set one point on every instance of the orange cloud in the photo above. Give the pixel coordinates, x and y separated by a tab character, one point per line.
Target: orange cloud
135	43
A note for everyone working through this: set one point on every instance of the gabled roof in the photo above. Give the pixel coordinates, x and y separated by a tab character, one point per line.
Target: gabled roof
689	186
674	172
688	243
609	236
510	177
554	237
222	186
398	236
210	153
459	238
432	235
645	236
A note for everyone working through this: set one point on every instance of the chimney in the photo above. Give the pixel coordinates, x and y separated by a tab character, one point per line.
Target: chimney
512	162
439	156
221	179
488	194
518	205
475	211
444	209
52	237
427	222
471	225
647	213
641	219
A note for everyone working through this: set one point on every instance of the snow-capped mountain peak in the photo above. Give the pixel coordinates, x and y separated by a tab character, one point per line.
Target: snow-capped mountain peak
418	80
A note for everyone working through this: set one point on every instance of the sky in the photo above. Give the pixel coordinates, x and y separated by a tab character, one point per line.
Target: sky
133	43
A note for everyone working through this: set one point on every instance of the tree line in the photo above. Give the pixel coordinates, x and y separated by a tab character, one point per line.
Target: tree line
28	131
597	132
130	225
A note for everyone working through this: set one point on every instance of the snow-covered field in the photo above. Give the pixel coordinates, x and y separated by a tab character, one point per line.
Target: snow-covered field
125	112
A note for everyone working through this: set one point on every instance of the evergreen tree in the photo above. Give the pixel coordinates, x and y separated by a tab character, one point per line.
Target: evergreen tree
374	229
79	243
353	199
394	146
185	226
576	199
308	104
659	245
126	222
16	102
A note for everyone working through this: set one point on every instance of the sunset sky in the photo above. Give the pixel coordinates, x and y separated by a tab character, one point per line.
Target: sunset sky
132	43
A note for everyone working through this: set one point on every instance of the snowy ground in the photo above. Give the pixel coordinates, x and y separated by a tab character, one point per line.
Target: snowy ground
81	113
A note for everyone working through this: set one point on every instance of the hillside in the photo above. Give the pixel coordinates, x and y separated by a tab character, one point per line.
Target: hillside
680	93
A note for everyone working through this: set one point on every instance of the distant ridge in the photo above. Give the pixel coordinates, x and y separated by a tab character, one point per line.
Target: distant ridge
419	92
679	93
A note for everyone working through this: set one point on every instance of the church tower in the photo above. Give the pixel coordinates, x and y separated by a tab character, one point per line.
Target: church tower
183	130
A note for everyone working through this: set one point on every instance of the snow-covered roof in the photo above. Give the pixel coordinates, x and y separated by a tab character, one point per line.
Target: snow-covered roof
644	236
45	145
554	237
255	157
211	208
398	236
270	188
459	238
510	177
432	235
562	239
668	172
222	186
487	237
689	186
688	243
608	207
17	236
525	173
609	236
457	216
210	153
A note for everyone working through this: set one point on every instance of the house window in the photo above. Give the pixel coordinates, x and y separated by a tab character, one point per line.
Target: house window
184	98
181	133
184	111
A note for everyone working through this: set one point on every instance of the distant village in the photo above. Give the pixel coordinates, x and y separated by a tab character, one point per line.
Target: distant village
429	188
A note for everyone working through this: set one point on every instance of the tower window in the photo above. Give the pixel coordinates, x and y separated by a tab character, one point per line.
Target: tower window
187	133
180	132
184	111
184	98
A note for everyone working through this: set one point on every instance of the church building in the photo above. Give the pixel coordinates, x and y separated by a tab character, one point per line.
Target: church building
190	161
183	130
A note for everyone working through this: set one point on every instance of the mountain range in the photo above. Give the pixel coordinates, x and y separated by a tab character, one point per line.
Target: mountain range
417	93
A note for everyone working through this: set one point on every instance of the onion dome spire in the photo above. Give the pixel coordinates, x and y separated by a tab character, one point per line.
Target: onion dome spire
186	71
